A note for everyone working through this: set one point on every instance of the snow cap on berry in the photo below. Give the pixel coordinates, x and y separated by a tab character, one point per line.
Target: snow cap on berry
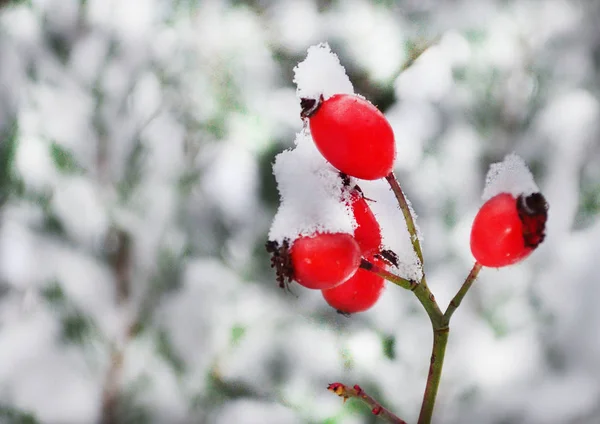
509	176
311	194
321	74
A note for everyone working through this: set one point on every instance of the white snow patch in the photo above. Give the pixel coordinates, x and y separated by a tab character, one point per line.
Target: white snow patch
88	56
34	163
364	347
32	363
429	78
321	74
509	176
231	182
78	203
247	411
372	36
17	246
295	24
311	194
571	116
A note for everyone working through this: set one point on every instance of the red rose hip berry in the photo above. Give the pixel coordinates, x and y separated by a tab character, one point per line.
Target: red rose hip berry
359	293
324	260
352	134
506	230
367	232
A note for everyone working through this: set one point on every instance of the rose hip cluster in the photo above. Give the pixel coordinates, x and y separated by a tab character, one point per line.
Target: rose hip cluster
356	138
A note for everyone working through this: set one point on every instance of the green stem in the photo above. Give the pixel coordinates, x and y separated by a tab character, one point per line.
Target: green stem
429	304
440	340
439	320
410	222
420	289
392	278
457	299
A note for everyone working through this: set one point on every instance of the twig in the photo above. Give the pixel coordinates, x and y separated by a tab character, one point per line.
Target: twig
410	223
392	278
429	304
420	290
110	390
456	300
416	52
440	340
121	265
346	392
438	321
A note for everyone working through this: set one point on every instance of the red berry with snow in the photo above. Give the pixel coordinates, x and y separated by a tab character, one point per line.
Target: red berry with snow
352	134
506	230
367	232
324	260
359	293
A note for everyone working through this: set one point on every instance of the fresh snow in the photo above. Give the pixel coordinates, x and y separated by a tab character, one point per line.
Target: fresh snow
321	74
509	176
311	193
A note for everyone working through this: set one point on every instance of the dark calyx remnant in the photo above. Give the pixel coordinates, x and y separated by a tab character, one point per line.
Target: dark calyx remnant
345	179
309	106
281	260
389	256
533	213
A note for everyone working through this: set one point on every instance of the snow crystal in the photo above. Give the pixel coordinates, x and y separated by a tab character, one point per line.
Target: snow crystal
321	74
509	176
311	194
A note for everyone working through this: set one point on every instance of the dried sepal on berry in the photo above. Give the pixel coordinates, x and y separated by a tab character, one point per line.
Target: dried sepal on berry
320	261
389	256
281	261
533	212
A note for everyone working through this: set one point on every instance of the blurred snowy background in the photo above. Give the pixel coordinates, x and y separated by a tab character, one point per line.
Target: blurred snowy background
136	194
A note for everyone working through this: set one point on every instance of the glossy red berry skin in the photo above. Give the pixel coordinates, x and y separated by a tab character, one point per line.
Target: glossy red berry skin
324	260
505	230
359	293
354	136
367	232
